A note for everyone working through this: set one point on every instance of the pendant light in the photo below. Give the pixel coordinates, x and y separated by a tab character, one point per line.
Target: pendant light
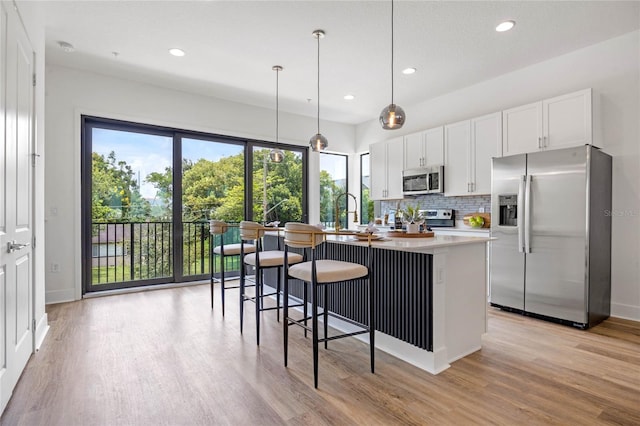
276	155
392	117
317	141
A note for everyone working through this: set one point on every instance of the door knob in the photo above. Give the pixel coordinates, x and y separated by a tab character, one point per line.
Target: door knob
15	246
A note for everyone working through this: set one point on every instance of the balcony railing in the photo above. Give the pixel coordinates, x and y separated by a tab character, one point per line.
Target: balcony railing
143	251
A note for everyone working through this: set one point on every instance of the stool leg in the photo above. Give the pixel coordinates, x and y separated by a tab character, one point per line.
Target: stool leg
305	310
278	285
314	324
242	277
222	258
259	279
285	319
372	325
212	271
325	315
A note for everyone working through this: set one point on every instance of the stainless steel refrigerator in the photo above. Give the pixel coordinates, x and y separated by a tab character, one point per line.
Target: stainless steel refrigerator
551	220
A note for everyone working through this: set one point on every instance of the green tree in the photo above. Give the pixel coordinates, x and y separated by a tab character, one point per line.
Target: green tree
114	190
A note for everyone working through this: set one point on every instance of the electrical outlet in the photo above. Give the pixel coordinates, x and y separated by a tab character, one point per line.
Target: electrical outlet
481	210
55	267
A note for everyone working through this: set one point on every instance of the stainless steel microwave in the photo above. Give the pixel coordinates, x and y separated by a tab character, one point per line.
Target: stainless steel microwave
427	180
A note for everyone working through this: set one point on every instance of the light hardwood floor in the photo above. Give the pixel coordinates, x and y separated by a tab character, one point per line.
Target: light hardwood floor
163	357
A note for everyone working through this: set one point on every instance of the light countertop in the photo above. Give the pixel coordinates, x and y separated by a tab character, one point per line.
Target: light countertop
418	245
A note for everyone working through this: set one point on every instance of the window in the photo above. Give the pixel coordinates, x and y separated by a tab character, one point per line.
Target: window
333	182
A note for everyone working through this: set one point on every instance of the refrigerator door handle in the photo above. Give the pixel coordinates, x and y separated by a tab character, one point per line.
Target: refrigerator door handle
527	215
520	213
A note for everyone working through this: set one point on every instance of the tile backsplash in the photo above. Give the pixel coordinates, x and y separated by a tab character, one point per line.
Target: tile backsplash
462	205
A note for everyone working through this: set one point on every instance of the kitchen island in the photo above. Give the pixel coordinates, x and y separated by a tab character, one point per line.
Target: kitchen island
431	303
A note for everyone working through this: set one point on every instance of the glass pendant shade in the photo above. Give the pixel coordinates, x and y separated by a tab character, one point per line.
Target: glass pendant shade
276	156
392	117
318	143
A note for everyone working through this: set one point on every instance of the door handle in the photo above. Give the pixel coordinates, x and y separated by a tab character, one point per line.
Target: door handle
15	246
527	215
539	142
520	213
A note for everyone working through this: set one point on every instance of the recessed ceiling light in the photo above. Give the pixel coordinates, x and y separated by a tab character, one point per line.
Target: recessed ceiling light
408	71
505	26
176	52
349	97
67	47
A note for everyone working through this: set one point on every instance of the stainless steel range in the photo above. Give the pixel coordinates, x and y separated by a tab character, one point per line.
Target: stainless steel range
439	218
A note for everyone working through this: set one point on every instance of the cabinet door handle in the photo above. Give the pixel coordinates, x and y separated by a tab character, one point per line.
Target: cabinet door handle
545	141
539	142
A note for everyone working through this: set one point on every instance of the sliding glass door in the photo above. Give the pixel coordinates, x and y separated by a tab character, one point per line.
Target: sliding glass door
145	224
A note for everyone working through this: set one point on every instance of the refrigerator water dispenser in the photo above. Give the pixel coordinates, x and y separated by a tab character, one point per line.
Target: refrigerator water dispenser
508	210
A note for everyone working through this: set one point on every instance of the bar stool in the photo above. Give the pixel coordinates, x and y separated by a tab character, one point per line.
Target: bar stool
320	274
223	251
261	260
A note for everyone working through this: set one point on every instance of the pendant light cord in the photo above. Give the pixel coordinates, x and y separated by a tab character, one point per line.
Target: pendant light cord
391	51
318	38
277	102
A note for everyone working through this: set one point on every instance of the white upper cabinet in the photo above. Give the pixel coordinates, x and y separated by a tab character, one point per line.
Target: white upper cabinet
386	161
554	123
486	143
424	148
469	147
457	144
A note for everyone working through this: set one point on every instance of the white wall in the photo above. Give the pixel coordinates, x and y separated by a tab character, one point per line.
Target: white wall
71	93
612	69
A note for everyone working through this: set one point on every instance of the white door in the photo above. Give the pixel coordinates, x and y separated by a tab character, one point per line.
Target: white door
457	141
16	261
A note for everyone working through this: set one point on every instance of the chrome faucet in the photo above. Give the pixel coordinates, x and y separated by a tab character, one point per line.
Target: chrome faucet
355	211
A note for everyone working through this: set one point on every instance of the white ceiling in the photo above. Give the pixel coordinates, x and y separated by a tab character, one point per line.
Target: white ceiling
232	45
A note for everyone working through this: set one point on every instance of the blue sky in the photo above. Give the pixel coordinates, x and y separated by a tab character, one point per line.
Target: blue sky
151	153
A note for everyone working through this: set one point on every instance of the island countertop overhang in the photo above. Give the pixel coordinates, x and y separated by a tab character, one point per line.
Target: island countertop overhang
415	245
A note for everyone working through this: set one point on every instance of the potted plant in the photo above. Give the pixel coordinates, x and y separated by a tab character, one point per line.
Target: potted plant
413	218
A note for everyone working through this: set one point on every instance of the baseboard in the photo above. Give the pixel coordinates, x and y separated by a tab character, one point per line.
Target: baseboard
629	312
60	296
42	328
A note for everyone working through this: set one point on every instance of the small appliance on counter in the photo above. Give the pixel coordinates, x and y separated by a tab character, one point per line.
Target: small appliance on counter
439	218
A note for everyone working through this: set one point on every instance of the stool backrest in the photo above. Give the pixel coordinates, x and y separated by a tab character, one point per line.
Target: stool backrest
302	235
251	230
217	227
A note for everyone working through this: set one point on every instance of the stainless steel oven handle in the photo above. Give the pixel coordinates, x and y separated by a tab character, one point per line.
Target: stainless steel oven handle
520	213
527	215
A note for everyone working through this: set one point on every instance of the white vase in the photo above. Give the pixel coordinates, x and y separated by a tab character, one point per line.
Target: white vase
413	228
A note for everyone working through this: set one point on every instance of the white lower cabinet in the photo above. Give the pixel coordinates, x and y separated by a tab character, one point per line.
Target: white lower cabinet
469	147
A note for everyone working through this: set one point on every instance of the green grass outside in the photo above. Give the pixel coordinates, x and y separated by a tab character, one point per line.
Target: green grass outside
113	274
